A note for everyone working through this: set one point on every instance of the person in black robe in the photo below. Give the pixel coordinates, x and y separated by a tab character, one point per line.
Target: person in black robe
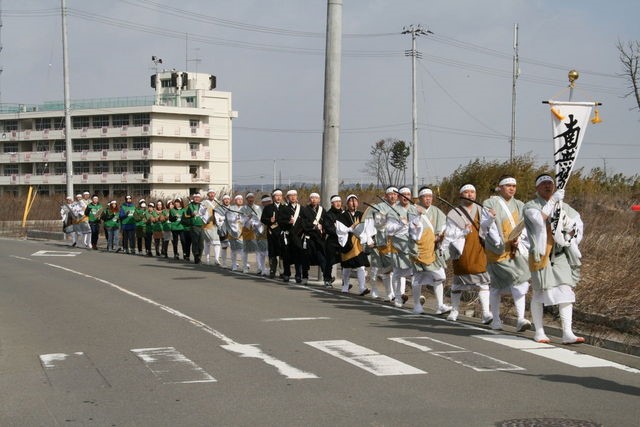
291	231
269	218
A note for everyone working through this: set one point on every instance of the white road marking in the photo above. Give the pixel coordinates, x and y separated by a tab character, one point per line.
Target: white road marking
364	358
470	359
197	323
48	360
72	371
289	319
252	350
549	351
56	253
171	366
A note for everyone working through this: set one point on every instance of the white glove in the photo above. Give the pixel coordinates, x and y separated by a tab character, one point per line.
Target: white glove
558	196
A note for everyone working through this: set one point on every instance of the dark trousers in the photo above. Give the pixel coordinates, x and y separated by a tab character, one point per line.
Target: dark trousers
197	242
95	233
129	240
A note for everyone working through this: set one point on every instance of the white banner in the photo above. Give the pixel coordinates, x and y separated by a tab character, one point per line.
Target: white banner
569	122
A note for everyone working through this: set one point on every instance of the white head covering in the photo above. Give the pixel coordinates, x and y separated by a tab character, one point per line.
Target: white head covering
292	193
543	178
391	189
425	191
467	187
314	195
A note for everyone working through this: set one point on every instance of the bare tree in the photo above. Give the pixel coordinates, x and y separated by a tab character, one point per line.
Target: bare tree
388	161
630	58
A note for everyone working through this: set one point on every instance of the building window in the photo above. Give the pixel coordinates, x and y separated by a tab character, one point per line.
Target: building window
10	147
141	189
80	167
141	119
140	166
41	168
194	123
59	189
42	146
120	144
165	82
59	146
140	143
59	168
57	123
120	120
9	125
80	145
119	190
101	191
11	169
190	101
194	146
43	123
100	167
120	167
193	170
80	122
99	144
100	121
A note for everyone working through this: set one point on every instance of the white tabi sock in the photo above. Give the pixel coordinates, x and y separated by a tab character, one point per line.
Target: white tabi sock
455	300
416	290
403	285
483	296
260	256
397	288
566	318
86	240
245	259
216	253
495	297
362	279
386	281
346	273
519	302
537	315
438	290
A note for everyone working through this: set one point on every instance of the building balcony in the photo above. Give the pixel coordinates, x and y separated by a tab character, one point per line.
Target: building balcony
104	178
108	132
105	155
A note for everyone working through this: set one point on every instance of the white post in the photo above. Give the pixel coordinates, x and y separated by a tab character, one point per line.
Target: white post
67	102
331	132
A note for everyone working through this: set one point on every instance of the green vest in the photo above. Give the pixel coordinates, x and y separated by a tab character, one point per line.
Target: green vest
176	222
95	212
130	210
192	211
111	219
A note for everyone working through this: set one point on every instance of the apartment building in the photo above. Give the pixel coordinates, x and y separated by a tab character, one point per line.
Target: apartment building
175	142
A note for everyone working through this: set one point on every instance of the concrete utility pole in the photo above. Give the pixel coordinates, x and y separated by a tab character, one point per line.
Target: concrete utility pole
413	53
516	73
329	175
67	102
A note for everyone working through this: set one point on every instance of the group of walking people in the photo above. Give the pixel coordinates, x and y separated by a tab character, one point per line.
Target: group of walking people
500	246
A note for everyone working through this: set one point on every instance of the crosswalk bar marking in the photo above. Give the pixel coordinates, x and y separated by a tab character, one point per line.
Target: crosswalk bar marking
171	366
364	358
562	355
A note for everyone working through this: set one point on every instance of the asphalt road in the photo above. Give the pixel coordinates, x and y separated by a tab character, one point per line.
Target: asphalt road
93	338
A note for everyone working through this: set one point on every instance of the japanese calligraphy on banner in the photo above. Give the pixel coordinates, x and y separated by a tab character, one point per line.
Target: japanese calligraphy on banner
569	122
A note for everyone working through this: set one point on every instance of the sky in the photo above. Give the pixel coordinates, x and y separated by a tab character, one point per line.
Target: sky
270	55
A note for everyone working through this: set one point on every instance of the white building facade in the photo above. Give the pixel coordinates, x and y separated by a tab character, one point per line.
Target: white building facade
173	143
